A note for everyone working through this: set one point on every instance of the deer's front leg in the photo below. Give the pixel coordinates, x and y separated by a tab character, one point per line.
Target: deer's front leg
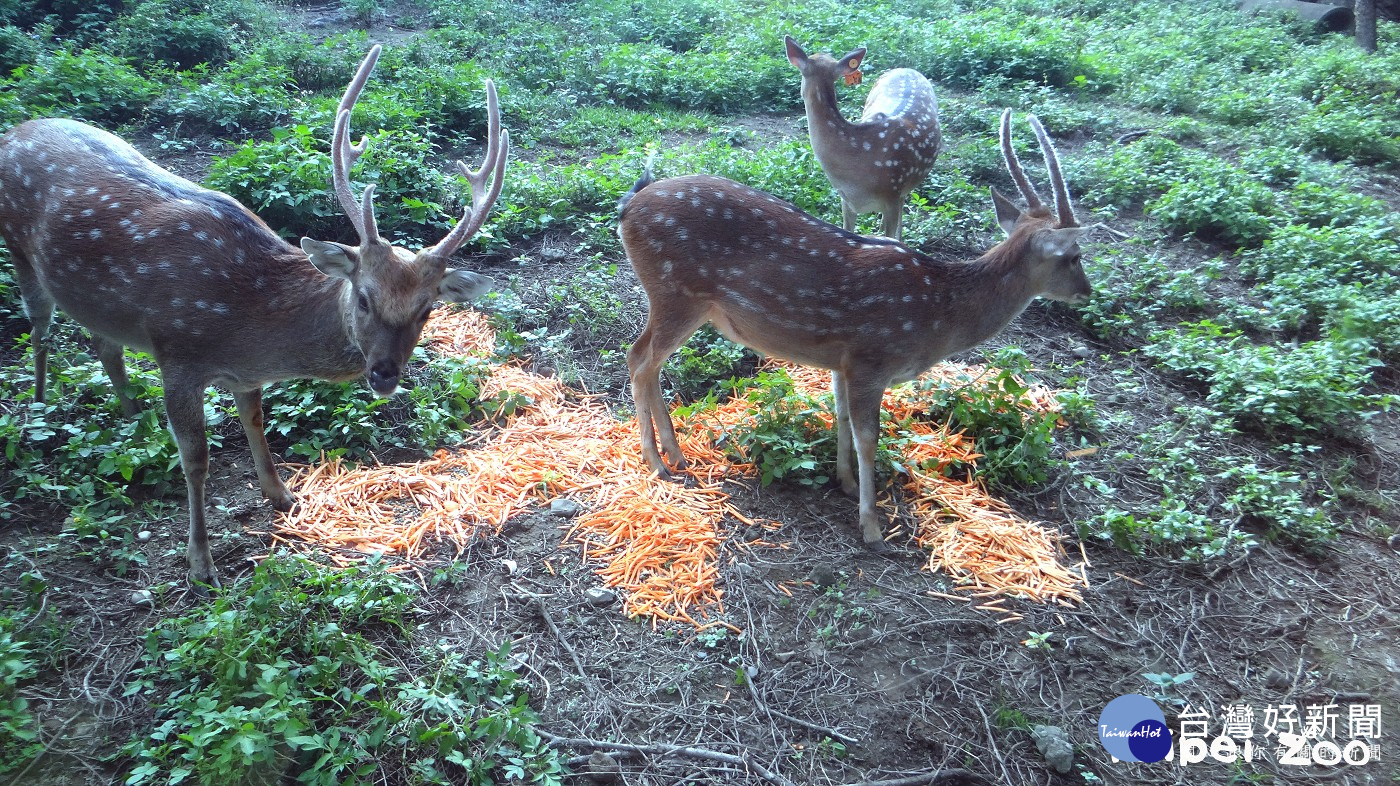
250	414
863	404
184	404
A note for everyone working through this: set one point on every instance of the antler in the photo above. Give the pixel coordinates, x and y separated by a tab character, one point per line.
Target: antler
1013	164
344	155
1057	178
492	173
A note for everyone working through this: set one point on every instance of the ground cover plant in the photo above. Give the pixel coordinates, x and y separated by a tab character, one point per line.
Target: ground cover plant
1226	451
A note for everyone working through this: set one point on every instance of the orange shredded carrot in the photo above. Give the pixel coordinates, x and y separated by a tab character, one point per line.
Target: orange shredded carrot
657	542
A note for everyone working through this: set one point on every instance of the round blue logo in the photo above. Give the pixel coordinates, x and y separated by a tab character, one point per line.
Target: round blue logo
1133	728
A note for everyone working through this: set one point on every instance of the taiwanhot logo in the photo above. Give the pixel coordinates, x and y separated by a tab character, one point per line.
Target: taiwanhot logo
1133	728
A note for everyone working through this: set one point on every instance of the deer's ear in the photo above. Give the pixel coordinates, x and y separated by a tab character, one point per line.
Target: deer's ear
795	55
850	64
1007	211
330	258
462	286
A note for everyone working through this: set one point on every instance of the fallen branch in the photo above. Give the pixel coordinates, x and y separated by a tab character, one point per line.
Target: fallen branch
691	751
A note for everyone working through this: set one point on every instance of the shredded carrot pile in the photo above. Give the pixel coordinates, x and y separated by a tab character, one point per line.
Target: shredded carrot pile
970	535
656	541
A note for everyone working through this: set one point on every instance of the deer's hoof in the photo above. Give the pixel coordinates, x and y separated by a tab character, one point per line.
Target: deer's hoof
283	501
205	587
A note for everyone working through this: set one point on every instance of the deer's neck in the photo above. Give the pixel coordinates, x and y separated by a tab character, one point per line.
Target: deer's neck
317	310
981	297
824	119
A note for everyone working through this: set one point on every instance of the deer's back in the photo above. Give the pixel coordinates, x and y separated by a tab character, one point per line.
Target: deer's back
126	248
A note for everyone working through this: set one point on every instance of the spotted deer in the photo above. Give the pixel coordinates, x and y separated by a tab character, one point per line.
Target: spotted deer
871	310
145	259
875	163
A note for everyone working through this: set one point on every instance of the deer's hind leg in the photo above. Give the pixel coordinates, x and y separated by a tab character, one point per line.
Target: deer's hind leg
38	307
668	326
114	362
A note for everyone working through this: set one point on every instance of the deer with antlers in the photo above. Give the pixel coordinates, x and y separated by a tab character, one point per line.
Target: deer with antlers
874	163
871	310
145	259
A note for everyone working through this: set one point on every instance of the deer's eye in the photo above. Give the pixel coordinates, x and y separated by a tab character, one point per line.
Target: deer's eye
362	302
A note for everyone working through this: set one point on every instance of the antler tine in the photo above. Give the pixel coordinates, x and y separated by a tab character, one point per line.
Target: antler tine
1013	164
344	155
491	173
1063	209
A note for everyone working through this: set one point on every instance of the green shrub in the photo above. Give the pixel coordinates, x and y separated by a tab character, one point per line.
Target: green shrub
788	437
77	450
287	182
1317	386
300	672
17	48
439	402
248	96
1014	439
90	84
1217	203
19	728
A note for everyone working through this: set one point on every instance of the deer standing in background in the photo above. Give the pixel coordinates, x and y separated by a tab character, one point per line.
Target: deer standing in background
783	283
145	259
876	163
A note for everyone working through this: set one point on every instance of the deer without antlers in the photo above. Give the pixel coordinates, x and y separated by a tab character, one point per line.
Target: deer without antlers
145	259
875	163
786	284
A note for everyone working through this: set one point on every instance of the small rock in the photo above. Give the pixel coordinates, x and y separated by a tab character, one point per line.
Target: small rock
602	768
599	596
1276	679
1082	352
142	598
143	536
784	657
823	576
564	508
1394	541
1054	746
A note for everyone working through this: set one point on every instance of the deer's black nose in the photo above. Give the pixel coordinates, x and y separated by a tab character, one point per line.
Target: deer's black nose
384	377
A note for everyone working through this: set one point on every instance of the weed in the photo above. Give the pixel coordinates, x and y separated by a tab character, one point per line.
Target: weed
1166	684
297	670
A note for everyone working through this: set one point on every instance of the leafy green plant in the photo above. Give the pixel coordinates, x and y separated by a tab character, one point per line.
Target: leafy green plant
295	672
19	728
1318	386
1166	684
90	84
77	450
790	436
1015	440
347	420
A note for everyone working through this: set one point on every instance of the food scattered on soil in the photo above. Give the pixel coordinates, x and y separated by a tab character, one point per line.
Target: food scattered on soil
657	541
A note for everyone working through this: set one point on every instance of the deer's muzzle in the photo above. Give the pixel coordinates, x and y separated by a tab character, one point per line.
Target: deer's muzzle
384	378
